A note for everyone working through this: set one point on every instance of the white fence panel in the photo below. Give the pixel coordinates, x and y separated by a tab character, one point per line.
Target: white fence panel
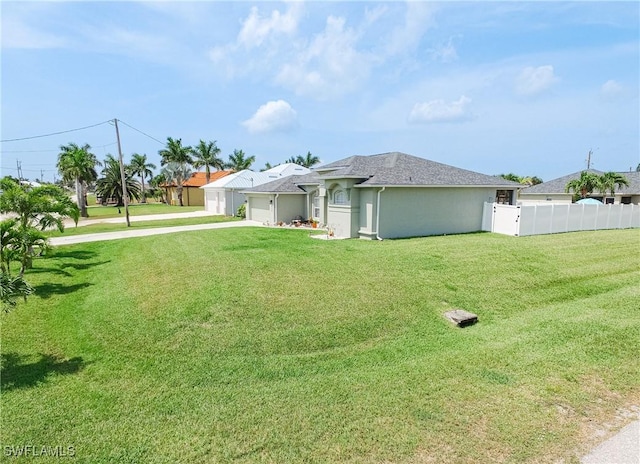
574	219
528	216
505	219
557	218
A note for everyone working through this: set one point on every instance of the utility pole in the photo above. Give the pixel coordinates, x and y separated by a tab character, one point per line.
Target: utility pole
125	195
589	159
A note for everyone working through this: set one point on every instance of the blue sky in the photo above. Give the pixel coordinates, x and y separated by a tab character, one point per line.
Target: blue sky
492	87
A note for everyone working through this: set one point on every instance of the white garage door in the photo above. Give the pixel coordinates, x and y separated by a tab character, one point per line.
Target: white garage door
213	202
260	209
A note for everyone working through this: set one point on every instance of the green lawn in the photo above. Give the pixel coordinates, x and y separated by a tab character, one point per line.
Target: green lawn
263	345
138	209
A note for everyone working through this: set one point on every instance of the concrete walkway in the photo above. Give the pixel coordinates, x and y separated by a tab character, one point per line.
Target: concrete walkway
149	217
622	448
72	239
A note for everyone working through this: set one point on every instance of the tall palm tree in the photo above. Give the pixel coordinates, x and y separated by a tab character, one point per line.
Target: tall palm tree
78	164
110	184
176	173
140	167
609	181
206	154
239	161
175	152
585	184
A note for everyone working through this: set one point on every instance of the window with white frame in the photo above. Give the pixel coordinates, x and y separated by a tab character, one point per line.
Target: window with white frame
340	197
315	205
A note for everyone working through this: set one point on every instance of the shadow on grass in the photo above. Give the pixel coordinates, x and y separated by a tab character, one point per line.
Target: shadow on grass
52	270
16	374
75	254
47	289
82	265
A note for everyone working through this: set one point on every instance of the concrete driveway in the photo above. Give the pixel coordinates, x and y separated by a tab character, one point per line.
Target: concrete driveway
622	448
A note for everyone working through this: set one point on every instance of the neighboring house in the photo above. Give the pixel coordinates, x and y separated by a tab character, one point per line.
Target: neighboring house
224	196
191	193
389	195
554	191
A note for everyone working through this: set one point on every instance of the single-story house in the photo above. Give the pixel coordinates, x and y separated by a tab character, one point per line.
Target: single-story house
224	196
553	191
191	193
389	195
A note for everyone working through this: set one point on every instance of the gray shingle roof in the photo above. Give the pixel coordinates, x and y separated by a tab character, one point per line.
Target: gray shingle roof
558	185
289	184
406	170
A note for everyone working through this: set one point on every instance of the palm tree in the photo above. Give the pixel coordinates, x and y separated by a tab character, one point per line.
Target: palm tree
177	174
206	154
609	181
307	161
41	207
35	209
110	184
238	162
585	184
140	167
511	176
12	289
157	183
267	166
77	164
174	152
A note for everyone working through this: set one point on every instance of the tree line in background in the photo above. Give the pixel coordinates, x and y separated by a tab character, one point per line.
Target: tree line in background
588	182
526	180
78	167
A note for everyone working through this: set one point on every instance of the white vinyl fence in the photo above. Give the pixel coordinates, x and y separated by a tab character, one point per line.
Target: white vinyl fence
556	218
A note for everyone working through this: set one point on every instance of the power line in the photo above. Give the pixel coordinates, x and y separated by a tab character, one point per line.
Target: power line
52	151
138	130
55	133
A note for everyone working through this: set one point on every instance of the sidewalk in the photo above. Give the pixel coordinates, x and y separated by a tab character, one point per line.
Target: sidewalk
72	239
149	217
622	448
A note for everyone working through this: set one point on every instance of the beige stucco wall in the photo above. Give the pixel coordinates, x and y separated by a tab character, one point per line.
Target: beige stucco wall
344	219
290	206
192	196
536	199
411	212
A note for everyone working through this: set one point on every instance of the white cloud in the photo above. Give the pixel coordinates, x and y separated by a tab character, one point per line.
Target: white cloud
16	34
532	81
256	29
445	53
329	66
418	18
440	111
611	88
273	116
